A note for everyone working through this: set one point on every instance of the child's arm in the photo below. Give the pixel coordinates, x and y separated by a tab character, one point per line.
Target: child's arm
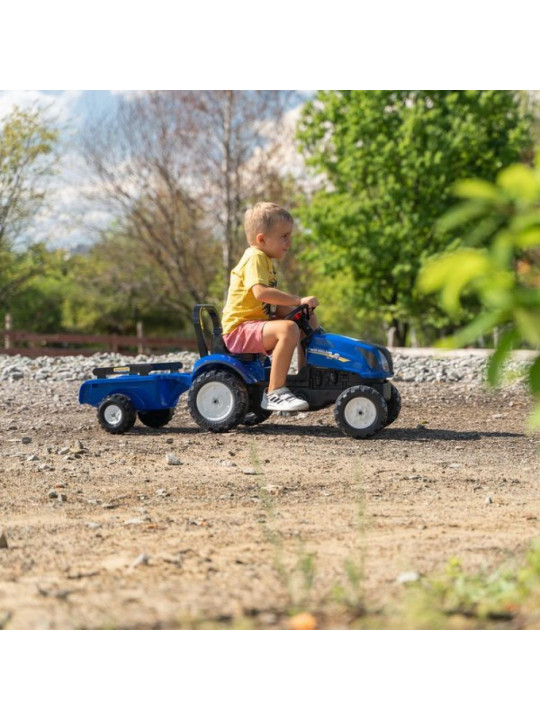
273	296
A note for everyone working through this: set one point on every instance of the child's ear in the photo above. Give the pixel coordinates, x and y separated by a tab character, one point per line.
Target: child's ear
260	239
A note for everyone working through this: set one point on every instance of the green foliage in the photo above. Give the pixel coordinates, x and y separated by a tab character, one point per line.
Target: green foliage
115	285
27	160
483	596
505	275
387	160
38	305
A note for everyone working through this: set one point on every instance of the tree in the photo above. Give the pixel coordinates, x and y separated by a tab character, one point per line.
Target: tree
27	161
173	171
504	275
110	288
387	160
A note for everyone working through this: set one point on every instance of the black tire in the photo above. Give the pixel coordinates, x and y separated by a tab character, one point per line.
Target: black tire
360	411
116	414
394	406
156	418
218	400
255	416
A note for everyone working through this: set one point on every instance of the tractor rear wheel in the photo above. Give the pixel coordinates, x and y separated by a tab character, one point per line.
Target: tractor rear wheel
218	400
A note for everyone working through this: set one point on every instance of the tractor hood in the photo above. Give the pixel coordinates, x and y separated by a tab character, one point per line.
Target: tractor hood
346	353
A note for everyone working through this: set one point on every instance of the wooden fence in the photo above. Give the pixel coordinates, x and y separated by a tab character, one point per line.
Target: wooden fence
21	342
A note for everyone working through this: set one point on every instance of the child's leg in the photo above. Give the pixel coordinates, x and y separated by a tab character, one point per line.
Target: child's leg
281	336
281	311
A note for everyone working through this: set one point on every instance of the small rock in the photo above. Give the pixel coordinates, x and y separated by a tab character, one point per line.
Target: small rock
93	525
63	451
142	559
52	494
250	471
407	577
488	500
26	440
3	541
32	458
172	459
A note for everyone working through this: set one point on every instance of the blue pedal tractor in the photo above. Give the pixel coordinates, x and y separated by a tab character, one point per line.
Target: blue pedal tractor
225	390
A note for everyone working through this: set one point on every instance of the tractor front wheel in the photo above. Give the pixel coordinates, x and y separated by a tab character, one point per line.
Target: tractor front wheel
394	406
360	411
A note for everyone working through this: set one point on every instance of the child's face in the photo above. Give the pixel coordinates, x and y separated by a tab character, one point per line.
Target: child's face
277	241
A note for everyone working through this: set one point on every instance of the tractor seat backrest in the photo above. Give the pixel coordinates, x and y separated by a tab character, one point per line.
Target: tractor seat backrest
217	345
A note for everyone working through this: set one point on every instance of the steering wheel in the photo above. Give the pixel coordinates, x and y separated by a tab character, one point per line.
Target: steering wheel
300	315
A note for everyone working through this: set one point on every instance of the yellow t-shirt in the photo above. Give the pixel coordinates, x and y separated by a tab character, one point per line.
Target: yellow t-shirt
254	268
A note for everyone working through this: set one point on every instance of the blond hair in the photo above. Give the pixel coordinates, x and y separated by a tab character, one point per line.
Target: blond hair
261	217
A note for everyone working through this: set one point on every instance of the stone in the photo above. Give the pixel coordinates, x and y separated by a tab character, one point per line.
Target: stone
173	459
3	541
408	577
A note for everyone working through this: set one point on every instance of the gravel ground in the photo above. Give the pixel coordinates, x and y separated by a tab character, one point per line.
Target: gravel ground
410	365
176	528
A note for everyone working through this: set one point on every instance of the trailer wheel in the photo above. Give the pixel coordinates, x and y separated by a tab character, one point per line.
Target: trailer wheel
155	418
360	411
218	400
116	414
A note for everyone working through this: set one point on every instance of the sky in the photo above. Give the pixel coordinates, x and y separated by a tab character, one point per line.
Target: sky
60	225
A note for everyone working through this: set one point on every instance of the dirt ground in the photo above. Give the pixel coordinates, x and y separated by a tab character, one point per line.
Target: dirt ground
256	521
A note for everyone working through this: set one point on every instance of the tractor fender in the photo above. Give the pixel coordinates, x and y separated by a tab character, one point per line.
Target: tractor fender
250	372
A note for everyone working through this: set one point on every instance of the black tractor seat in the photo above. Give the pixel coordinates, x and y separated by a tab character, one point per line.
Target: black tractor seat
217	344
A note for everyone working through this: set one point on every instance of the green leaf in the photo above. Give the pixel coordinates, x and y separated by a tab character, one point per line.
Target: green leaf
476	189
533	421
528	322
479	326
528	238
496	361
520	182
534	376
461	214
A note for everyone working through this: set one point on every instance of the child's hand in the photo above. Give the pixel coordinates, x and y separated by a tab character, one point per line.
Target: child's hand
310	300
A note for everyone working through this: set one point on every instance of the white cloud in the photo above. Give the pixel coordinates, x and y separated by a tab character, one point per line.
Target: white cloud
58	106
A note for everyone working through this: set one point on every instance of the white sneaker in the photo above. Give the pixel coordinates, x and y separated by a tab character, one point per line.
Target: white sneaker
283	399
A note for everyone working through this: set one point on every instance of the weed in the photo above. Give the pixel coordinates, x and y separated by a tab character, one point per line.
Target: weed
483	597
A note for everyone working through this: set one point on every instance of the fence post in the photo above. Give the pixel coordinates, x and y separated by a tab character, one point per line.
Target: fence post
140	343
7	336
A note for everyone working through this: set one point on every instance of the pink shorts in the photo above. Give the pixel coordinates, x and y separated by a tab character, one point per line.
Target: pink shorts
246	338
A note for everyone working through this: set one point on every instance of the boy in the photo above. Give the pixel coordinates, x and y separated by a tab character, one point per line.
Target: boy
249	325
